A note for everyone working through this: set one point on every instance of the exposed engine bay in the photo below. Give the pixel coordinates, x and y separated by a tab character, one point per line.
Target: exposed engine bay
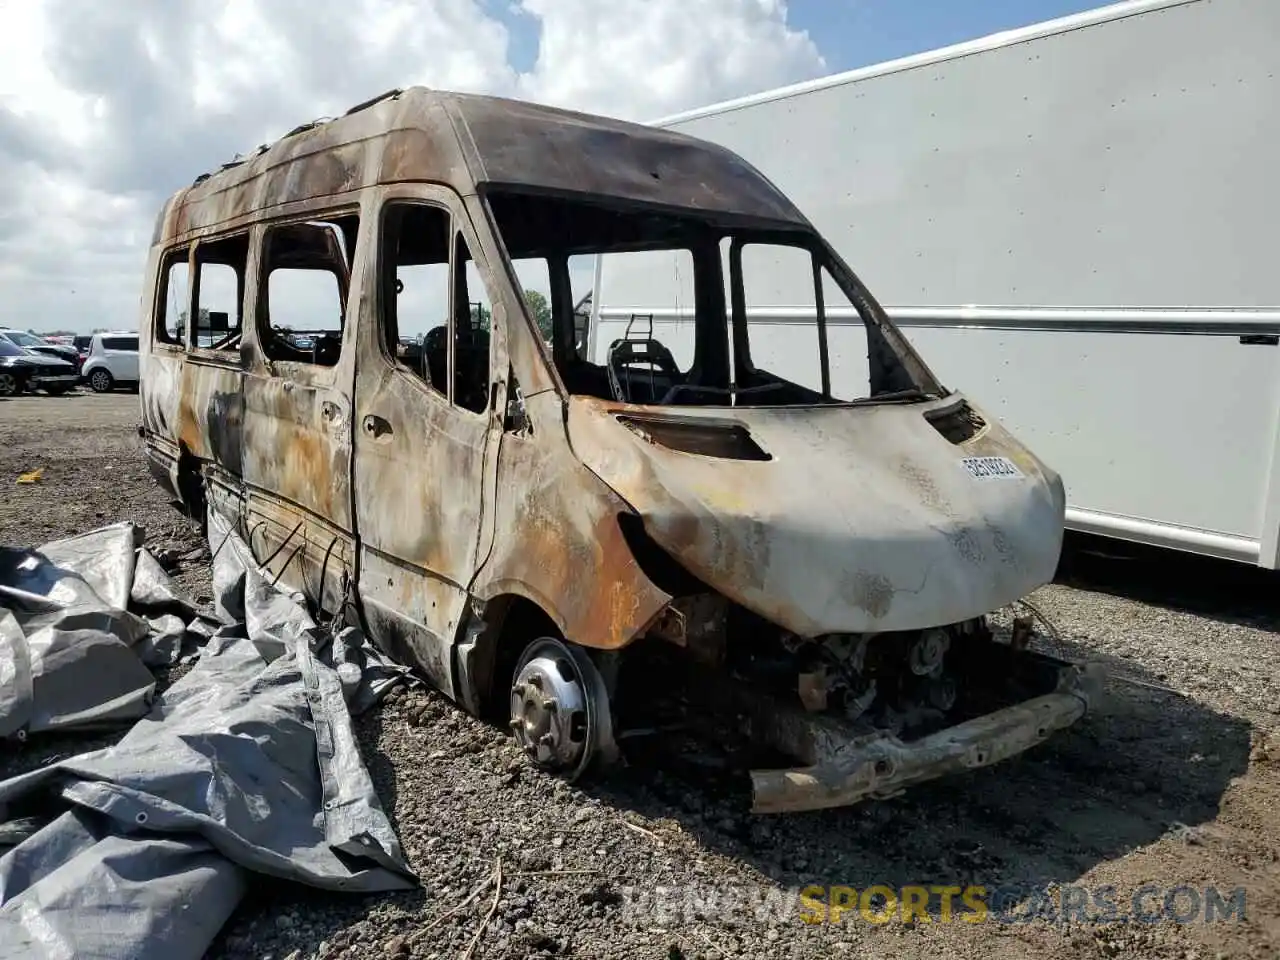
870	713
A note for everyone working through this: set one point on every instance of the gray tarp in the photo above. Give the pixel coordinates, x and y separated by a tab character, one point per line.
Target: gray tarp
67	637
247	763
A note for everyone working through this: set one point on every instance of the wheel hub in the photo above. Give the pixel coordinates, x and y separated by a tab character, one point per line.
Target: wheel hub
559	708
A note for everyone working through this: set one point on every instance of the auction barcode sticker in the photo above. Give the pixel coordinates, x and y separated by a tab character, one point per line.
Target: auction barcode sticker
991	468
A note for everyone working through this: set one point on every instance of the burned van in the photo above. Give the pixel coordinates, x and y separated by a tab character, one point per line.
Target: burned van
363	345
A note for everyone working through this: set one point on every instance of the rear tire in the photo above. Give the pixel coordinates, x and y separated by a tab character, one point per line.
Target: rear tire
101	381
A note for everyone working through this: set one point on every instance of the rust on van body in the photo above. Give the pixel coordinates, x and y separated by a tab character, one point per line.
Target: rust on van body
545	541
842	540
463	140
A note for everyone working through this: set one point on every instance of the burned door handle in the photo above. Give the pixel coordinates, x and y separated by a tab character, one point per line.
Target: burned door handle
376	426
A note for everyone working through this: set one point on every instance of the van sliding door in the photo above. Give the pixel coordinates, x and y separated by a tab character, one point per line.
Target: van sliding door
297	396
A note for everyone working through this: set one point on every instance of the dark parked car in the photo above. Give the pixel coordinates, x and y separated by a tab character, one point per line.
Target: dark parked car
22	369
29	341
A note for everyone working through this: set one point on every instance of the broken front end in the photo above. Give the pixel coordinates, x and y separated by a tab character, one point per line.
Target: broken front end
832	525
866	716
834	570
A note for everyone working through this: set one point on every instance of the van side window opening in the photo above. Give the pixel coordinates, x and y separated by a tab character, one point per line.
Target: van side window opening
415	290
847	346
793	333
420	285
779	300
472	323
306	267
172	308
220	278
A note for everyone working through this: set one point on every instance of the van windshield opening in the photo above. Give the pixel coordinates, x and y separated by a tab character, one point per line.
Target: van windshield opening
697	311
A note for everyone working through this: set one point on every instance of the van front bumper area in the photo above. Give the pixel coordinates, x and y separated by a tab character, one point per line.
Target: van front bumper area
881	765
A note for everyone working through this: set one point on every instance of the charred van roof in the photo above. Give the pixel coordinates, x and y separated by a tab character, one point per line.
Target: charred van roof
467	141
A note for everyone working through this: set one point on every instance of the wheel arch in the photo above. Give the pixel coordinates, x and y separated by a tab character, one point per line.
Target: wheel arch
495	632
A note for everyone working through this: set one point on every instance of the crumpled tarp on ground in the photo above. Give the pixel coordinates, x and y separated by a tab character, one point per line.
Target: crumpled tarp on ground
247	763
72	654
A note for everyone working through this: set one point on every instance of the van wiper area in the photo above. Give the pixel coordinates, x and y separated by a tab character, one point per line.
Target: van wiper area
912	395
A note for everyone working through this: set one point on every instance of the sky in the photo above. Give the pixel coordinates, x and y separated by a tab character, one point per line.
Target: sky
108	107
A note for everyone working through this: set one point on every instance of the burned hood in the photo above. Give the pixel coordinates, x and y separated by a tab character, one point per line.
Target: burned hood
833	519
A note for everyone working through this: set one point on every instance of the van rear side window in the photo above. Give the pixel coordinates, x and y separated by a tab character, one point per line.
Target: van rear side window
172	305
306	266
220	275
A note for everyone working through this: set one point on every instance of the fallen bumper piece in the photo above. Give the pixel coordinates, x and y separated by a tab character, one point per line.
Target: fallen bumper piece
883	765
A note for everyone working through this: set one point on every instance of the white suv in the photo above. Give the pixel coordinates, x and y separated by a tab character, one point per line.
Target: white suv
112	361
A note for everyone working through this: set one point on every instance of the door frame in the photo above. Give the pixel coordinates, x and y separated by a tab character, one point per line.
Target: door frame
279	527
397	612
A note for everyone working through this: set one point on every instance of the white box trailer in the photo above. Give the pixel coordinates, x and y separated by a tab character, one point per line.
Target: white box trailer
1074	223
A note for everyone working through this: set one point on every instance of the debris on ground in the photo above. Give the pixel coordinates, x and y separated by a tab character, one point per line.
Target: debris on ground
248	763
1193	664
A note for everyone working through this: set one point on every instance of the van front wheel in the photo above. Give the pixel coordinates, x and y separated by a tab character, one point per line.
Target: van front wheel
560	708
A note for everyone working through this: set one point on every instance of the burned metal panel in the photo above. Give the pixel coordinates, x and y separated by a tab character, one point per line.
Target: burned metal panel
419	474
419	507
902	537
297	439
420	468
463	140
159	365
404	139
558	542
514	143
296	475
160	371
296	457
302	551
210	410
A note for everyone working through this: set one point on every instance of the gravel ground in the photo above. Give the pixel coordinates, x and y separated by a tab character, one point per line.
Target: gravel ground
1172	781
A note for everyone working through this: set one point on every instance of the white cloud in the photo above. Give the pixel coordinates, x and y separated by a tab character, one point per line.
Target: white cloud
106	108
641	59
